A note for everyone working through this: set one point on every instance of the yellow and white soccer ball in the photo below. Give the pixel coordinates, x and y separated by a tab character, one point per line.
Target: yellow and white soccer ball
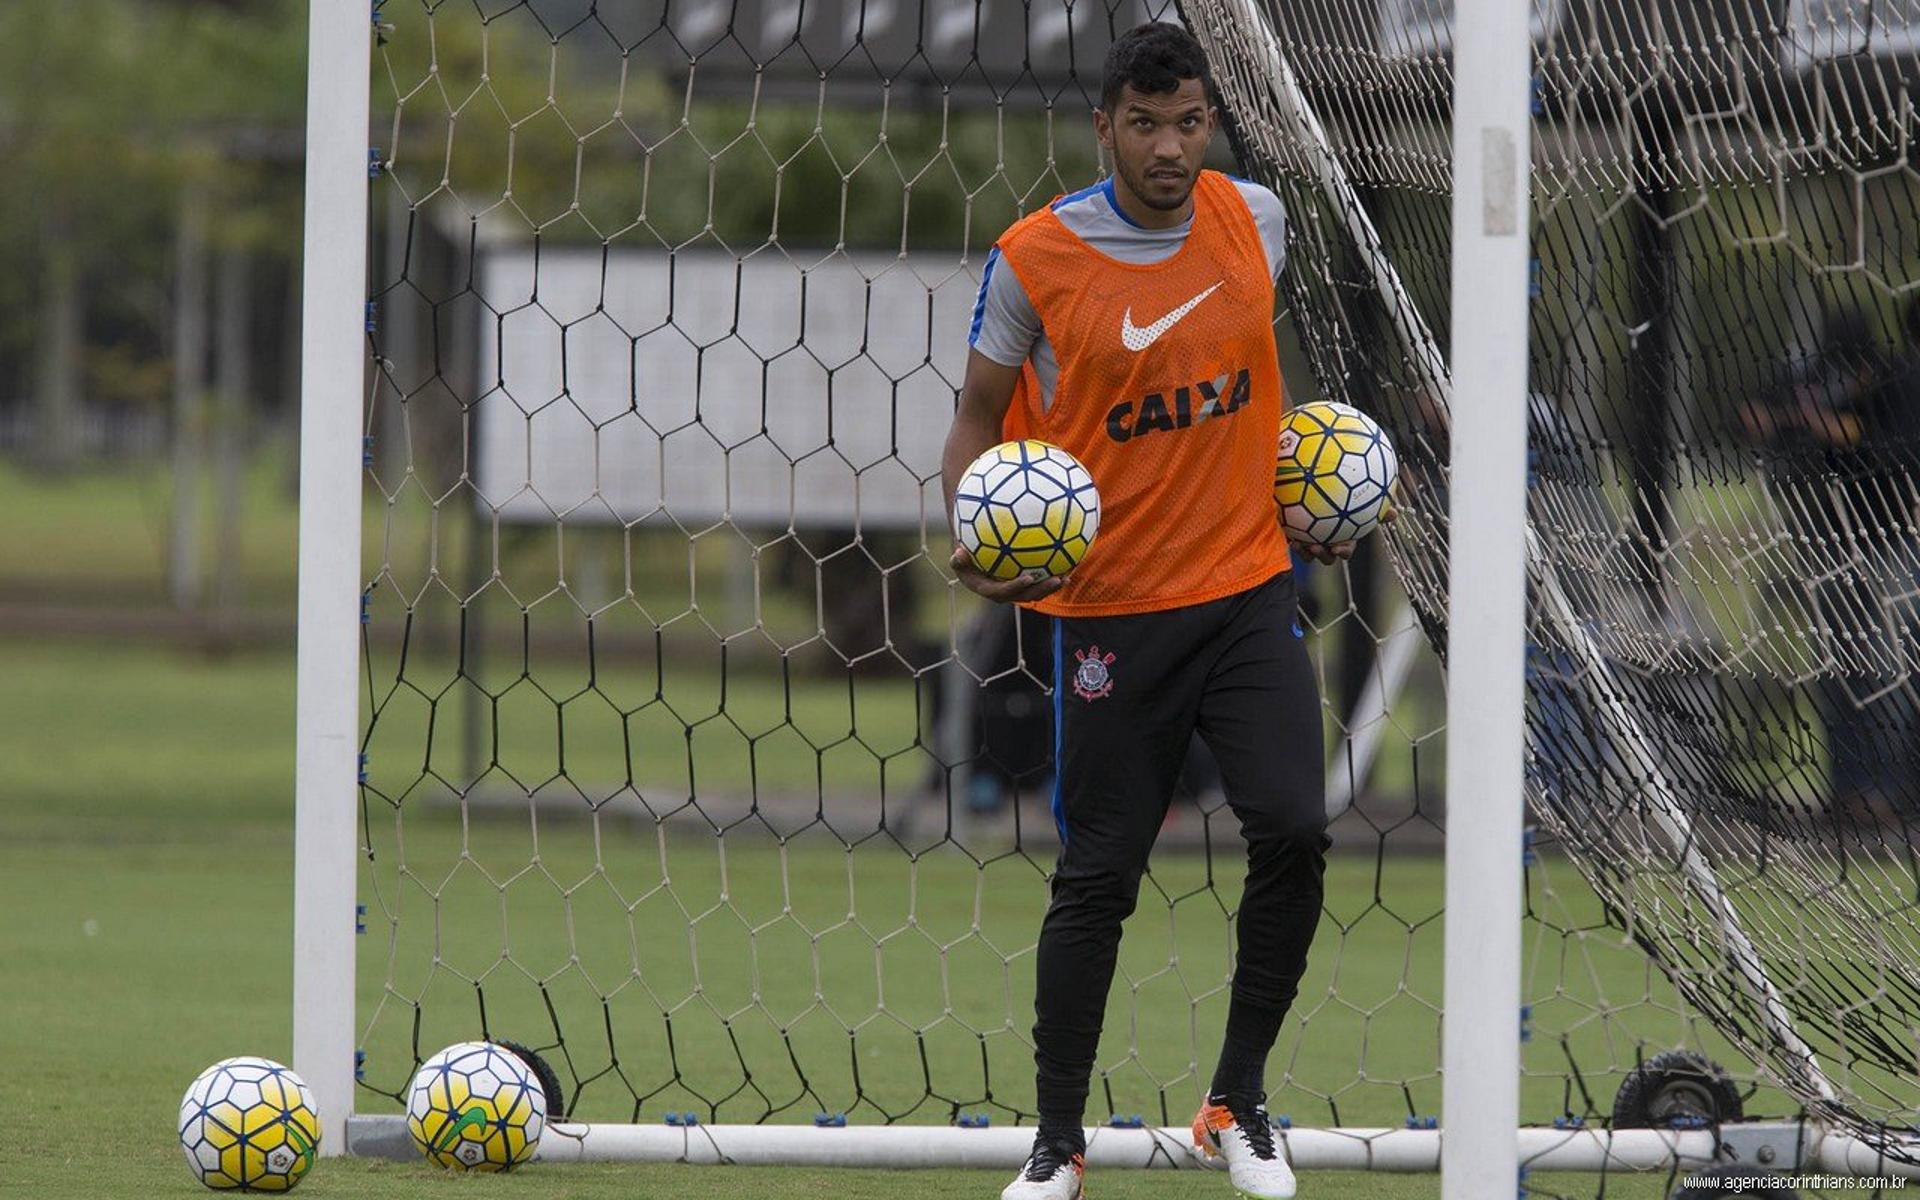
1335	473
1026	506
249	1125
476	1106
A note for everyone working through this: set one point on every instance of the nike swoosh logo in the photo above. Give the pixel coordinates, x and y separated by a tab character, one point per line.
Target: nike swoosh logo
451	1134
1139	337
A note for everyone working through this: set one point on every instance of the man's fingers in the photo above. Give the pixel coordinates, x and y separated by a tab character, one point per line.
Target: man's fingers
1029	587
1326	555
1022	589
1312	550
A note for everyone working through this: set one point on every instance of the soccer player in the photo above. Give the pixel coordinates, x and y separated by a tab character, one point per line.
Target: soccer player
1132	324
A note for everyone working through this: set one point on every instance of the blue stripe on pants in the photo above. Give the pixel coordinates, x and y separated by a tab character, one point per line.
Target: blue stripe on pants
1059	721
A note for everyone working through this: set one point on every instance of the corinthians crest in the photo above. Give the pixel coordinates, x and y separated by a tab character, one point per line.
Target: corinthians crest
1092	679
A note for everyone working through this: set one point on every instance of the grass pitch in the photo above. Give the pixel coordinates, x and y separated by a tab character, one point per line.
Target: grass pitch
146	874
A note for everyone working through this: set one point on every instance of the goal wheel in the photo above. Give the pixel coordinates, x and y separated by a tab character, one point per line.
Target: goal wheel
544	1072
1676	1089
1755	1184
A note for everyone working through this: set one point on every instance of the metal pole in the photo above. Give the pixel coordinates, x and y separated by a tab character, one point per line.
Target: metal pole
189	399
1486	612
234	406
333	354
1351	764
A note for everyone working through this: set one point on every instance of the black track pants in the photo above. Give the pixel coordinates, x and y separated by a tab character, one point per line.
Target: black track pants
1129	693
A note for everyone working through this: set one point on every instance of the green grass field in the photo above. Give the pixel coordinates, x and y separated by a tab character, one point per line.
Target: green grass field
146	871
145	800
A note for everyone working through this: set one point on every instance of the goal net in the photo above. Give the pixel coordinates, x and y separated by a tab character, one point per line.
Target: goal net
687	765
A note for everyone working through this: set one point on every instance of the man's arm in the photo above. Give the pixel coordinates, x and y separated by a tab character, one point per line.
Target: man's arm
984	396
1270	218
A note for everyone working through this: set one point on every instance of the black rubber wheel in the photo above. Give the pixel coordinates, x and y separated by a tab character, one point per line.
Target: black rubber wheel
544	1072
1676	1090
1757	1185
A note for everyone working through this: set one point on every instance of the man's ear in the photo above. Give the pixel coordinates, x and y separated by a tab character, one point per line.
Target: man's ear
1213	119
1103	128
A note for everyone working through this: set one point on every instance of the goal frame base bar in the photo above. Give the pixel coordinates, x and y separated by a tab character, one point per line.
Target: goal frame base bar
1777	1145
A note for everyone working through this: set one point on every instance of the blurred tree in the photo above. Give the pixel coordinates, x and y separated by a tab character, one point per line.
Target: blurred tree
106	107
110	109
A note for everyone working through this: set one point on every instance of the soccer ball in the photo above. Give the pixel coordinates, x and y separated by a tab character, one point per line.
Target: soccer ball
1335	473
249	1124
475	1106
1026	506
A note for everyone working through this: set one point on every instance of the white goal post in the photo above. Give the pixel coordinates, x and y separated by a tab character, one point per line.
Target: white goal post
1486	624
1482	1053
332	396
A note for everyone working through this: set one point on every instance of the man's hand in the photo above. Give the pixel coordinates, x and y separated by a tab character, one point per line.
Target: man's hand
1034	585
1327	555
1320	552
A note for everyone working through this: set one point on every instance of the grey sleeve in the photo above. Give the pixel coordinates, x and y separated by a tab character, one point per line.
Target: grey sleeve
1005	325
1270	215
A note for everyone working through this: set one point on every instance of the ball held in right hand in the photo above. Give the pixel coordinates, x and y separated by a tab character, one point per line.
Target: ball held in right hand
1026	506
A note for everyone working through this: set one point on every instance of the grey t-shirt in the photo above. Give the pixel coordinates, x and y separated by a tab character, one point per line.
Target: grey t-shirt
1007	329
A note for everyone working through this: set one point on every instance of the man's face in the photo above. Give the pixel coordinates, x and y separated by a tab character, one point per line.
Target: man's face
1158	140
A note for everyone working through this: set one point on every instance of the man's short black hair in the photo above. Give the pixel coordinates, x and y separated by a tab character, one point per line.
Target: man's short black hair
1156	57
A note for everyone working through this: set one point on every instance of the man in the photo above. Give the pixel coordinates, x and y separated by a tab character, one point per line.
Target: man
1131	324
1836	431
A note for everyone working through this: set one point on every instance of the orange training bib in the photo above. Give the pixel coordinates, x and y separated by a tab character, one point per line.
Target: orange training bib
1170	393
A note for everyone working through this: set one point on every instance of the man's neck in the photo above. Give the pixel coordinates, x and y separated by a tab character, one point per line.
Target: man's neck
1145	215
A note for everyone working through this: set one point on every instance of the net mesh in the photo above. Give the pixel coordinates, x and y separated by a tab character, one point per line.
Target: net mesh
1725	357
685	760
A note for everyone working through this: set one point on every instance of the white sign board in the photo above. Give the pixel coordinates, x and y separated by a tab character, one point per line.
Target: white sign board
694	387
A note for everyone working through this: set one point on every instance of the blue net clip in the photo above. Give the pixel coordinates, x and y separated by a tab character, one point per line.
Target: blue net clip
1528	856
359	918
1526	1022
830	1120
366	452
1687	1121
974	1120
1569	1122
373	315
363	779
359	1066
1524	1190
1283	1121
683	1119
1129	1122
1423	1122
366	617
374	165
